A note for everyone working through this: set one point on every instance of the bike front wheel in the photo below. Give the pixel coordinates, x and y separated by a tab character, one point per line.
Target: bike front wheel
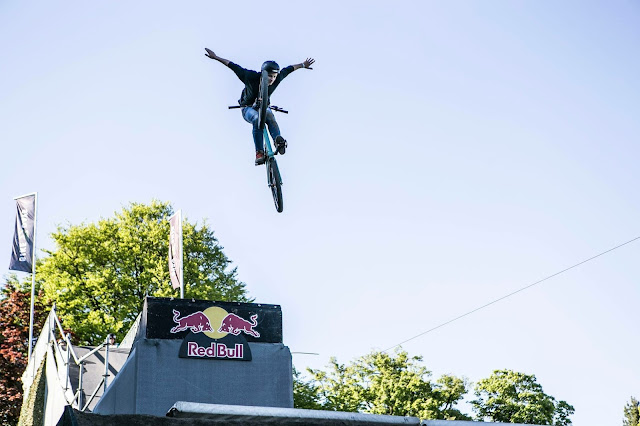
264	96
275	183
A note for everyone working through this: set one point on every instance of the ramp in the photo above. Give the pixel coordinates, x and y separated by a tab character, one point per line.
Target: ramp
203	351
178	349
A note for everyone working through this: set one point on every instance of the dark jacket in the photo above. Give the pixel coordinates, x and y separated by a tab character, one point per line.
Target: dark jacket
251	80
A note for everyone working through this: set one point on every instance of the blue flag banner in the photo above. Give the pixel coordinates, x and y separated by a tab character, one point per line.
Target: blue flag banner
23	238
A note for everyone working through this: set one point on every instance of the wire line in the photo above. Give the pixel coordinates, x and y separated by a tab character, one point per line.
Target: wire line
510	294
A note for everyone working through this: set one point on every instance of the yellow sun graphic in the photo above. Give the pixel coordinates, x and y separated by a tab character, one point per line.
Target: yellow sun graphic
215	315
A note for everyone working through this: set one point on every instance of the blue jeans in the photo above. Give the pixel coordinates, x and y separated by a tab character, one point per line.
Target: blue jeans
250	115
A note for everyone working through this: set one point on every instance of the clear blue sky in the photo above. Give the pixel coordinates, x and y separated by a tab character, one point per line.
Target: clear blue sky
442	155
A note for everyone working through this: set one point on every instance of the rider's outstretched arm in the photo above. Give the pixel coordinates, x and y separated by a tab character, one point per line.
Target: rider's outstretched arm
306	64
212	55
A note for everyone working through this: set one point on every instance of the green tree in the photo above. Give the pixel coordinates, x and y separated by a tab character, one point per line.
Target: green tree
632	413
99	273
15	307
339	388
305	394
512	397
399	385
449	390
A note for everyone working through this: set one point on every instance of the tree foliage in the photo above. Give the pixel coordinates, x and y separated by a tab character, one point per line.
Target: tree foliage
15	307
512	397
305	394
632	413
99	273
380	383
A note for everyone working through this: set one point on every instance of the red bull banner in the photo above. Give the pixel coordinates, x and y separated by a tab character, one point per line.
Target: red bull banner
213	330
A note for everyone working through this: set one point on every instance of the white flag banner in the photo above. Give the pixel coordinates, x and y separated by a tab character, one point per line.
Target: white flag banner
175	249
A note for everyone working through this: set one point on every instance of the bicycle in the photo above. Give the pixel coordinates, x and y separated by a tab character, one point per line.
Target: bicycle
274	180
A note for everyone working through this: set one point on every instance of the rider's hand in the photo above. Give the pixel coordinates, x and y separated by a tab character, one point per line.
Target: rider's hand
210	53
307	64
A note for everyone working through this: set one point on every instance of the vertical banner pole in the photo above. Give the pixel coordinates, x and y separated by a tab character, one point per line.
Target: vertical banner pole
33	276
181	259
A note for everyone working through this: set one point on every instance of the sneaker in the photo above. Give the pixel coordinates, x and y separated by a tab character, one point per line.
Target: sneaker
259	157
281	144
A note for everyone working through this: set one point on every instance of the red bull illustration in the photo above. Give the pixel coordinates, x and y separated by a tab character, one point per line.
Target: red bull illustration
197	322
234	324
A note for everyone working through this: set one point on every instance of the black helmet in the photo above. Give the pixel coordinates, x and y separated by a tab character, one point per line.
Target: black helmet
271	66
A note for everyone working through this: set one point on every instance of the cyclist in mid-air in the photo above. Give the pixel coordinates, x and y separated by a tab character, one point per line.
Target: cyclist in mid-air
249	98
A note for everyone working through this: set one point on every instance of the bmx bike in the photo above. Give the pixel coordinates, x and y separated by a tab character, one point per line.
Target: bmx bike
274	180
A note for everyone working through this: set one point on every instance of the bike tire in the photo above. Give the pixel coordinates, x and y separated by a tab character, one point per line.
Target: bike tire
275	184
264	95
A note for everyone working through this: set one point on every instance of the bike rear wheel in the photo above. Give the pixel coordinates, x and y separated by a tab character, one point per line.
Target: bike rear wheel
264	103
275	183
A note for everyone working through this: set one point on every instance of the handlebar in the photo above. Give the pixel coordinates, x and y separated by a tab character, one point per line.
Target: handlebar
272	107
277	108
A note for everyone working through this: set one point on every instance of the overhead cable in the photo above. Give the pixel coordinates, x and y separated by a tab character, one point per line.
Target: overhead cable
511	294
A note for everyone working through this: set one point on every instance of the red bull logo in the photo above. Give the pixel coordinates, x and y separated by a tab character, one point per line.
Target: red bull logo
215	334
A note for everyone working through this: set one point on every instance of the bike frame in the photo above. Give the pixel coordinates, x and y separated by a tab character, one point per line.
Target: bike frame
268	150
271	164
266	140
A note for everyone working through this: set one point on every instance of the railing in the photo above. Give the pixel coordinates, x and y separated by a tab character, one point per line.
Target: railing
66	356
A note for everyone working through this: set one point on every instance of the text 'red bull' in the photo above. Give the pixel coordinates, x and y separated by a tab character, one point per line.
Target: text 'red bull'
215	350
